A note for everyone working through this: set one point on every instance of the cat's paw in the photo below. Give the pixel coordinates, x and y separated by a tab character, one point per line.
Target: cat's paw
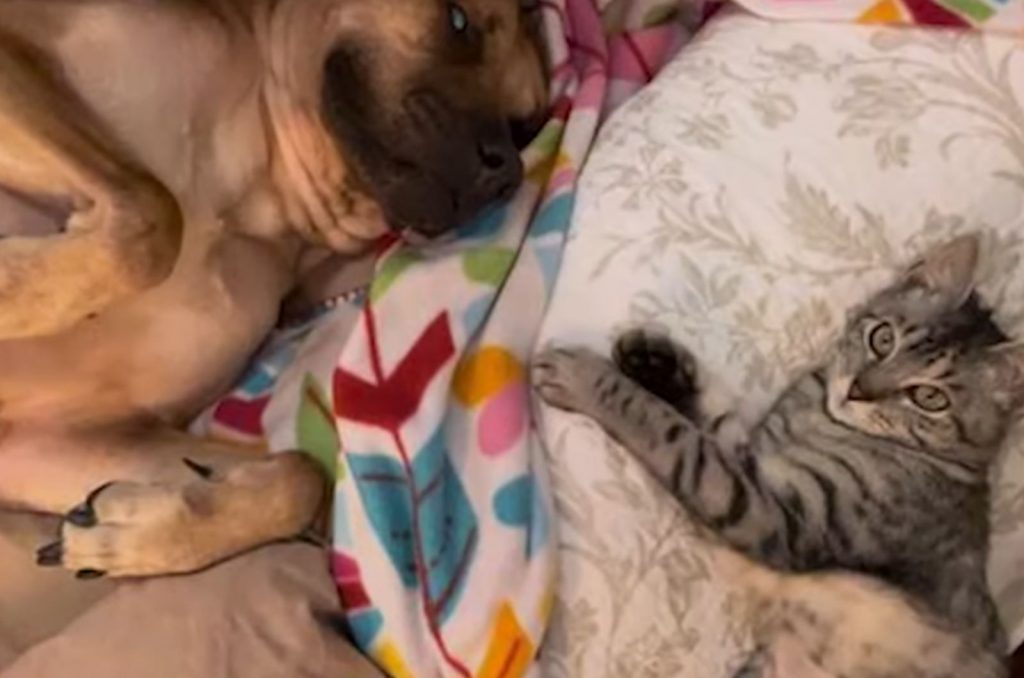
659	365
567	378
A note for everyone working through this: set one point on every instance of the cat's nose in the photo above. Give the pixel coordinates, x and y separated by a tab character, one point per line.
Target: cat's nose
857	391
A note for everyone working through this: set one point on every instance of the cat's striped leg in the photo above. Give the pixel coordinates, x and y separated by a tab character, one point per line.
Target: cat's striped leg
581	381
722	489
669	370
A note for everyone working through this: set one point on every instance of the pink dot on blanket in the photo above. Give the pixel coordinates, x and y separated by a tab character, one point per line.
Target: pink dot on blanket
503	420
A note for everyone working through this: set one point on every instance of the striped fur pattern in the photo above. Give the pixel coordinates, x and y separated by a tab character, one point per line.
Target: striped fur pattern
874	462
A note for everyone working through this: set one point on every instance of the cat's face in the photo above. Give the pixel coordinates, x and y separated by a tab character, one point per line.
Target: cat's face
923	364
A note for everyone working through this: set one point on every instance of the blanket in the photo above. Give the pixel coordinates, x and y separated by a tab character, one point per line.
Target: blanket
413	392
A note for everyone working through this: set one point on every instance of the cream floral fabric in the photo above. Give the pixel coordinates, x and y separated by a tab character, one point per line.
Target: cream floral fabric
770	178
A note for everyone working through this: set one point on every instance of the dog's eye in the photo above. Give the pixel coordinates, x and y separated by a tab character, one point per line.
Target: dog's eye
458	18
882	339
929	398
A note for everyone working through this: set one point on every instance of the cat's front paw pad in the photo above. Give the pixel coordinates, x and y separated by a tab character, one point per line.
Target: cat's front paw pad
565	377
658	364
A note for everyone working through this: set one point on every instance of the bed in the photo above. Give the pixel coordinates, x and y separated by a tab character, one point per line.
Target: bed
769	177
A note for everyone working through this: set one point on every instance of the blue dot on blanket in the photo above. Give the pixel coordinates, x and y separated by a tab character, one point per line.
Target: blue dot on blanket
487	224
519	504
554	217
550	259
474	315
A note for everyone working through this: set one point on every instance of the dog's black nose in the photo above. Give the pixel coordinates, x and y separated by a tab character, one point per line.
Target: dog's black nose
494	154
500	168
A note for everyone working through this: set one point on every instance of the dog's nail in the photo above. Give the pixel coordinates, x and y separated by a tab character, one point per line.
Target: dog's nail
202	470
50	555
95	493
82	516
89	574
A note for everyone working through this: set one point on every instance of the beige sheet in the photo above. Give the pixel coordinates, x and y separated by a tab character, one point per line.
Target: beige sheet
271	613
35	603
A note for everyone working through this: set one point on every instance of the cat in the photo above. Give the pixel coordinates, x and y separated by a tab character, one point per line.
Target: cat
866	482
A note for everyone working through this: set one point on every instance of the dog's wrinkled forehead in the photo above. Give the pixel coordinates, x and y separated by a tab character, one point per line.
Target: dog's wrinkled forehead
481	53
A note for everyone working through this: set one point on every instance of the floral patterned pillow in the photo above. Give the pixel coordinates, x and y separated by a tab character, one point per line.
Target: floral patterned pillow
770	177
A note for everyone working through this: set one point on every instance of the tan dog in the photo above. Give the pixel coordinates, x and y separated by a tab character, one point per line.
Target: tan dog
195	146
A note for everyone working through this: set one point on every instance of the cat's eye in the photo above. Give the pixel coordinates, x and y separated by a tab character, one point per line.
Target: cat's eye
458	18
929	398
882	340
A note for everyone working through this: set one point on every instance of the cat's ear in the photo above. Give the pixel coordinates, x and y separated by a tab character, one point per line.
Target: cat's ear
947	269
1006	362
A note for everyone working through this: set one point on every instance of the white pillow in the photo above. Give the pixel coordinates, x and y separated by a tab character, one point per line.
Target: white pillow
771	176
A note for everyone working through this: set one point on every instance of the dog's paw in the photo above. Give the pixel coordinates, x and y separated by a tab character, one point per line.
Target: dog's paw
659	365
567	378
126	529
129	529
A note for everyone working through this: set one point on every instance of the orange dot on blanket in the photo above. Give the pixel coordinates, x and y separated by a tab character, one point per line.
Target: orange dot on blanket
485	373
885	12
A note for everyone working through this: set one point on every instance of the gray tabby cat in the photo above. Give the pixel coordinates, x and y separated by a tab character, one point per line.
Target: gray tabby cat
874	464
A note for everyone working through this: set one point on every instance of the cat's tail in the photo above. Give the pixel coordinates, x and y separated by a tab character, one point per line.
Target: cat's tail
840	624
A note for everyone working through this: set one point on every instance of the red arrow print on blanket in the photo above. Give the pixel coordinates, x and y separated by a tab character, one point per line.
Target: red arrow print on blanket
242	415
391	401
388	402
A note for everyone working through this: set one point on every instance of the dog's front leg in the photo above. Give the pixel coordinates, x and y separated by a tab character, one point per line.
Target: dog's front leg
141	501
86	419
161	355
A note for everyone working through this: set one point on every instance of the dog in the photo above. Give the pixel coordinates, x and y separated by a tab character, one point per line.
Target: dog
194	150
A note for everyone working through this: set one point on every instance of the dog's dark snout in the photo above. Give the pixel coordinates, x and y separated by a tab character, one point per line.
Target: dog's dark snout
491	157
498	156
500	169
451	163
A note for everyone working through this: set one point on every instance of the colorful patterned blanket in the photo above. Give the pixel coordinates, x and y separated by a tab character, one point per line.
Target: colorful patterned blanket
414	392
988	15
